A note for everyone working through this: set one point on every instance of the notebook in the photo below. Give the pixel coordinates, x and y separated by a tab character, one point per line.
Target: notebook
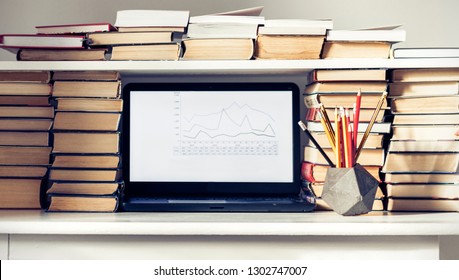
204	147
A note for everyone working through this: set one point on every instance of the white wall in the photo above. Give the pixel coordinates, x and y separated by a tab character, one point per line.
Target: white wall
427	22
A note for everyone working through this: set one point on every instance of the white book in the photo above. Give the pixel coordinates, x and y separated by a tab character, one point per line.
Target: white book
40	41
217	30
259	20
295	30
426	53
378	127
378	35
322	23
151	18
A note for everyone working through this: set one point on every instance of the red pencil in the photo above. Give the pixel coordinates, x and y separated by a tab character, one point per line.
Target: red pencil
349	141
358	101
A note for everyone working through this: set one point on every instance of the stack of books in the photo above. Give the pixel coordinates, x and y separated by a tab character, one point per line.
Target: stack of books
57	42
364	43
291	38
26	117
334	89
422	164
136	35
226	36
85	173
145	35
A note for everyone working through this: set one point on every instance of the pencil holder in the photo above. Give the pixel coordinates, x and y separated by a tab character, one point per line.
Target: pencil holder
350	191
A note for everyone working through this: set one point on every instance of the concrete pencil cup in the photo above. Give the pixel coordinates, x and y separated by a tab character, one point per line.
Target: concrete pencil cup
350	191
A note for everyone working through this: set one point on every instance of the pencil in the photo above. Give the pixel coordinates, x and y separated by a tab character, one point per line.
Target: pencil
327	132
370	125
345	140
351	147
358	102
306	131
338	138
348	136
326	118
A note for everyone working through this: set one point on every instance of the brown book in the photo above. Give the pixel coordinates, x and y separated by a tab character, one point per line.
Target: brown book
422	162
321	205
315	173
288	47
23	171
424	146
26	124
318	189
332	100
24	100
425	75
99	143
365	114
84	161
346	75
146	52
89	104
27	111
426	105
25	76
21	88
343	49
435	205
374	157
20	193
373	141
12	155
419	89
449	191
82	203
61	55
9	138
426	119
214	49
84	175
128	38
86	76
346	87
452	178
93	188
109	89
425	132
87	121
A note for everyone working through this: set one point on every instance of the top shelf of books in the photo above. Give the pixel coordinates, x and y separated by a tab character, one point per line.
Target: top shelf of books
227	66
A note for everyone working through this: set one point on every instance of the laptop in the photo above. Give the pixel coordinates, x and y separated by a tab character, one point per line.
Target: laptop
204	147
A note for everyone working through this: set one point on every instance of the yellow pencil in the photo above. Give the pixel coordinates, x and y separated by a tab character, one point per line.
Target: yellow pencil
326	118
370	125
327	132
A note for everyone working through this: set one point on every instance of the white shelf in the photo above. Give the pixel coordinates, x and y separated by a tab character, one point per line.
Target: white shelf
228	66
241	224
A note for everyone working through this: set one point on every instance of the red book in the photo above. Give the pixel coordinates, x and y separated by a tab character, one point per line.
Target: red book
75	28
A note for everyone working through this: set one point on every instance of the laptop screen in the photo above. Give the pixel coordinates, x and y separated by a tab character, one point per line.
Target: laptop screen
219	135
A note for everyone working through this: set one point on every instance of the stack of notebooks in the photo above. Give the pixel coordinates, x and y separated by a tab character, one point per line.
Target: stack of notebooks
363	43
338	88
226	36
291	38
85	174
422	163
26	117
